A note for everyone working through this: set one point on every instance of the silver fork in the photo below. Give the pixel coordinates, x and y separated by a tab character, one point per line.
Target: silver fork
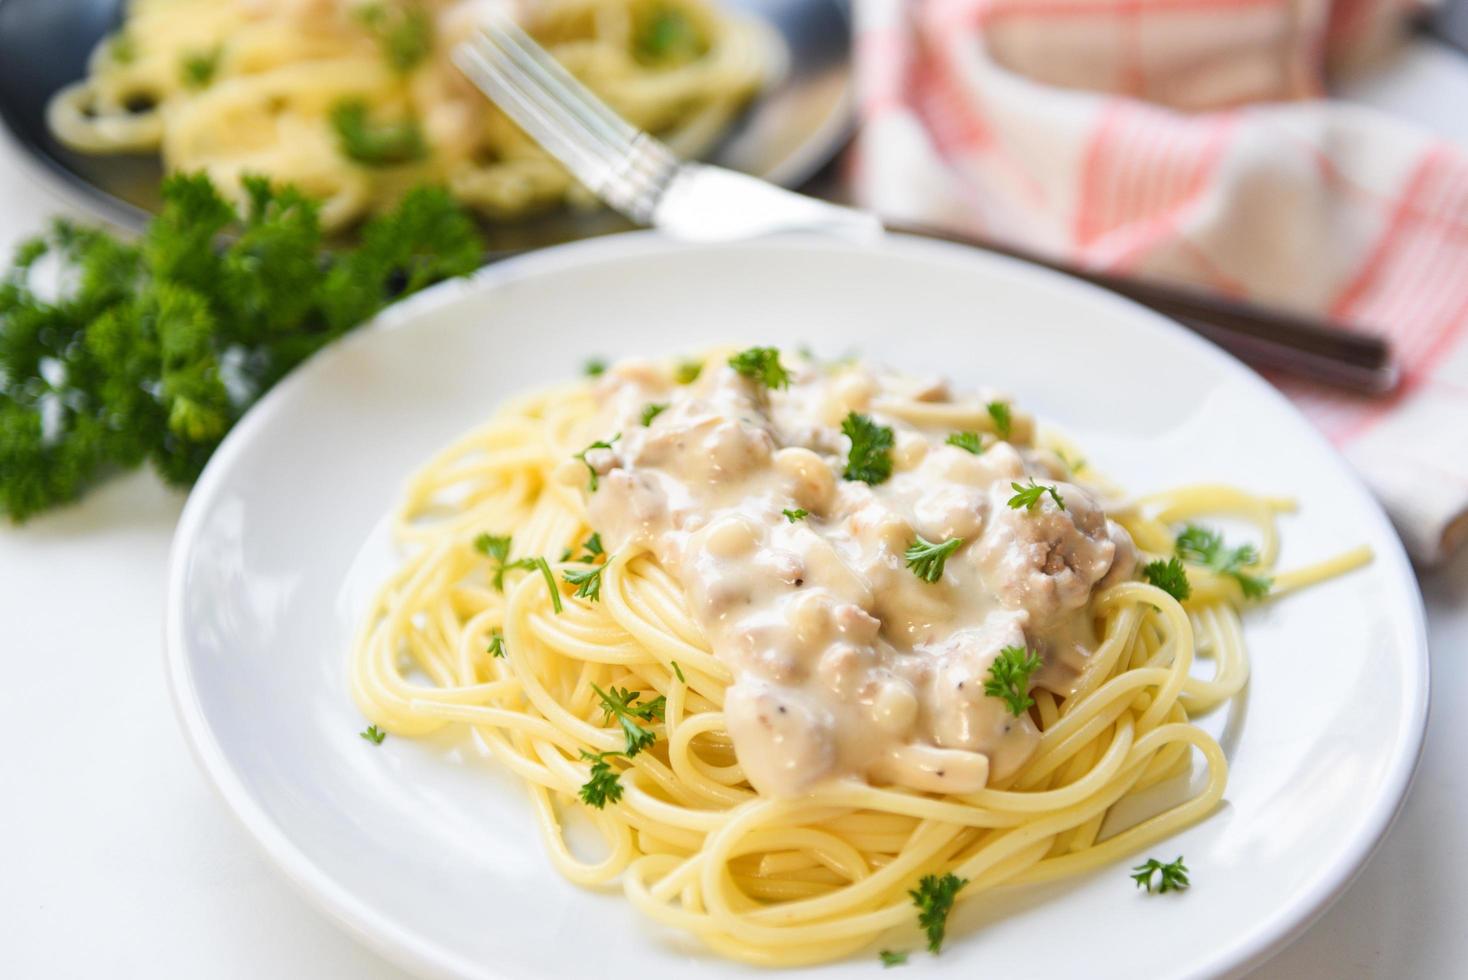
643	179
624	166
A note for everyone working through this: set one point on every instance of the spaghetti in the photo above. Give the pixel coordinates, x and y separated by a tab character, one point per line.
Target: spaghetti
355	101
810	870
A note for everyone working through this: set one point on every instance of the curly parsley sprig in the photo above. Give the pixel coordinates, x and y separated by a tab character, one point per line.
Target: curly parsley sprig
605	783
587	581
376	143
592	481
870	457
1171	877
968	441
592	547
1204	546
404	34
1028	497
151	350
1003	420
1170	577
1009	678
927	559
934	898
497	549
621	704
761	364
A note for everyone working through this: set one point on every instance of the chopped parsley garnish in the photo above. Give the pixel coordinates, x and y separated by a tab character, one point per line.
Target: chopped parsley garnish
1029	496
605	784
599	444
1009	678
1205	547
970	441
550	579
588	582
892	957
927	559
592	547
199	67
117	352
376	144
622	704
1003	423
797	514
404	34
652	411
496	645
870	458
678	672
594	368
373	734
687	372
666	37
1168	877
761	364
1074	465
1170	577
497	549
123	49
934	900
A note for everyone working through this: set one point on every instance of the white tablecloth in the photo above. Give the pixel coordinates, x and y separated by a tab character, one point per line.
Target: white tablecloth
120	862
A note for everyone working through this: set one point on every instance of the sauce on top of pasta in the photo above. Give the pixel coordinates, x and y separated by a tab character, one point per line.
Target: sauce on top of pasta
850	656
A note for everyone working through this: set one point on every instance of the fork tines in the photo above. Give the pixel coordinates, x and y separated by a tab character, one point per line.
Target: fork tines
618	162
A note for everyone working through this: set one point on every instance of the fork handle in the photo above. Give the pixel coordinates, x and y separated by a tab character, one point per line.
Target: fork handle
1314	349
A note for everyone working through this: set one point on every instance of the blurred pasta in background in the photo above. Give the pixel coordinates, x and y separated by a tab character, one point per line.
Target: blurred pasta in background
356	102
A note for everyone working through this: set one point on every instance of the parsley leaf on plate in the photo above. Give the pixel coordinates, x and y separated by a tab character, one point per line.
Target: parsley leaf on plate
1171	877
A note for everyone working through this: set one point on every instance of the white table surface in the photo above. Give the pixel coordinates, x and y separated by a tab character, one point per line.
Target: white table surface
118	860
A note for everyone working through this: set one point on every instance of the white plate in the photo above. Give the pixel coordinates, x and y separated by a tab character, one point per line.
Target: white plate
428	852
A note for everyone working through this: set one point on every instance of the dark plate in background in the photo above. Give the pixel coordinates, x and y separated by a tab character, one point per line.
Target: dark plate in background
786	136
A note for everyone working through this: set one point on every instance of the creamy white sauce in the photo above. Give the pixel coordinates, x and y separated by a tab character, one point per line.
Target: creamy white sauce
845	662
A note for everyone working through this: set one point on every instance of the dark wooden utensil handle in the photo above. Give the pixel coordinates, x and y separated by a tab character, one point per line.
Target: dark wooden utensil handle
1272	339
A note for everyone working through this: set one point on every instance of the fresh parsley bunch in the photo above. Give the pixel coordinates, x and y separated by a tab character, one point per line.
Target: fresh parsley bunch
149	351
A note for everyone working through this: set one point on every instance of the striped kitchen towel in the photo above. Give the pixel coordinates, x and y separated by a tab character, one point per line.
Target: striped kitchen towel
1191	140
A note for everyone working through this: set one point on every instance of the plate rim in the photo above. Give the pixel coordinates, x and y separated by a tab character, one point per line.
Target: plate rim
401	945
